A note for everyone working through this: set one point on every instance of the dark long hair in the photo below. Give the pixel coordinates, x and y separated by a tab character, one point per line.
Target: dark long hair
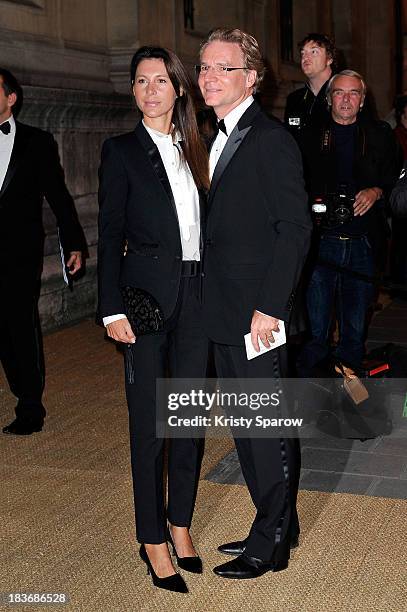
183	118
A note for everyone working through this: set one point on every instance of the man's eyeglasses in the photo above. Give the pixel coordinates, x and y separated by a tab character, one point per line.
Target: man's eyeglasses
218	69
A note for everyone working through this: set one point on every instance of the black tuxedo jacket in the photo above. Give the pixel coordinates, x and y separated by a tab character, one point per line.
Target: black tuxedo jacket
137	214
258	228
35	171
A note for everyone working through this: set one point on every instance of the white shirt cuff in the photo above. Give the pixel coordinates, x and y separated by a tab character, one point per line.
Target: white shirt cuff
111	318
263	313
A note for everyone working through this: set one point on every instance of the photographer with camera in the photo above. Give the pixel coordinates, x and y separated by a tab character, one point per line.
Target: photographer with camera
351	165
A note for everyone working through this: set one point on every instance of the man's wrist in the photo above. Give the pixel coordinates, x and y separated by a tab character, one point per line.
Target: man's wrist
378	192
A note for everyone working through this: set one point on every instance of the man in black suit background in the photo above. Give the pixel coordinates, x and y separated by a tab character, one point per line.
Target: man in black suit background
29	170
257	237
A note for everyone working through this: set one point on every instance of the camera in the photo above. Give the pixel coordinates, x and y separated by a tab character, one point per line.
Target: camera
333	209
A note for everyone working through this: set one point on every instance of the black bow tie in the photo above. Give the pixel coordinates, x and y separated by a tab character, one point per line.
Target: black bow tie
222	127
5	127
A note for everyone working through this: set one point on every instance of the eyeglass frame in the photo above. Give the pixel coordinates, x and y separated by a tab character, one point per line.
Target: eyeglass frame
218	68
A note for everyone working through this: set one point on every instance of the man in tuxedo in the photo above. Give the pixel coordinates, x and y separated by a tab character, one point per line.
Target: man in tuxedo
29	170
257	237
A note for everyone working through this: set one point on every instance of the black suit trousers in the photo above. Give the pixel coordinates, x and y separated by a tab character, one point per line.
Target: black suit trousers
181	351
270	466
21	351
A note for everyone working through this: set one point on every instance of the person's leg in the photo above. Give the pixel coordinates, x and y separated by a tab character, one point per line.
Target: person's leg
7	352
398	252
188	358
270	466
277	465
353	299
320	298
226	368
21	350
147	451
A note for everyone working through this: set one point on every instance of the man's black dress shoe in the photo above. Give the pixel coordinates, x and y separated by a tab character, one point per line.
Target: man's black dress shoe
238	548
189	564
22	428
245	567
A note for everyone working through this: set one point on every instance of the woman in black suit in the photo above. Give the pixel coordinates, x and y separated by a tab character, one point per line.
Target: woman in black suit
151	183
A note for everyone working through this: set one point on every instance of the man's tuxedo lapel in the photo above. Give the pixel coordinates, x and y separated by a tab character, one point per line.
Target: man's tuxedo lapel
157	163
233	143
20	143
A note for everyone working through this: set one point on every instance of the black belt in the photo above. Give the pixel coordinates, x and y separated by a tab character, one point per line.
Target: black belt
344	236
190	268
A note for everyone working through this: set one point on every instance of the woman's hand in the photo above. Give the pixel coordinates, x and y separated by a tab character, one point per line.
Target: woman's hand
121	331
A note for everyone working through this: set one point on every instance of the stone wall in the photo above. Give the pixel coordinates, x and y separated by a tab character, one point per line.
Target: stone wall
80	122
66	54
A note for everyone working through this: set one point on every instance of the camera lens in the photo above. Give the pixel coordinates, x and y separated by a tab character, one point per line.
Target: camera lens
342	213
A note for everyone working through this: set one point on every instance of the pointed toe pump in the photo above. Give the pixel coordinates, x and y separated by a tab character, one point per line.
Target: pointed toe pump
173	583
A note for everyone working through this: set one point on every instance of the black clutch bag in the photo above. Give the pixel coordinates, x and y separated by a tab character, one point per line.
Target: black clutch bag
142	310
145	317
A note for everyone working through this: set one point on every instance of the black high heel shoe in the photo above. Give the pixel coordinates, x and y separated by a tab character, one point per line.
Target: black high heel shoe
173	583
189	564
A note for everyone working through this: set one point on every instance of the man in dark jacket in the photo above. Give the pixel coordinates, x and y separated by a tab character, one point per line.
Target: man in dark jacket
398	198
398	251
29	170
308	105
350	167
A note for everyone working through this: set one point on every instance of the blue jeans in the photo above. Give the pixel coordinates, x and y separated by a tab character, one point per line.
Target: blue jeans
333	292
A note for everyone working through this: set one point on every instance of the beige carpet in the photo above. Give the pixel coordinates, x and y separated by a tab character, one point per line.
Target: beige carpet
67	518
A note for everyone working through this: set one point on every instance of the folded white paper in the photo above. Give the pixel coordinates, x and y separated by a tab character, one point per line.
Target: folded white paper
61	253
279	340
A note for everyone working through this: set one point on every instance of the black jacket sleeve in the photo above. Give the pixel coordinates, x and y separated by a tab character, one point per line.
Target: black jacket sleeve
281	178
58	197
390	160
398	198
113	187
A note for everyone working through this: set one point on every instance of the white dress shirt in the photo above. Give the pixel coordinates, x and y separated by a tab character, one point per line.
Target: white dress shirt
6	148
185	194
231	120
183	189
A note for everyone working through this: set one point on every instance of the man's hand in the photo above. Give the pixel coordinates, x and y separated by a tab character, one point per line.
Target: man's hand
74	262
121	331
262	326
365	199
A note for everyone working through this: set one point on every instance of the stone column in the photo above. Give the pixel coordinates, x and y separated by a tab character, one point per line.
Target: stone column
123	39
373	49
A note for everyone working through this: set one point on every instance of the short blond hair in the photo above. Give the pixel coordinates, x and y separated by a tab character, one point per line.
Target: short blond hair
248	45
